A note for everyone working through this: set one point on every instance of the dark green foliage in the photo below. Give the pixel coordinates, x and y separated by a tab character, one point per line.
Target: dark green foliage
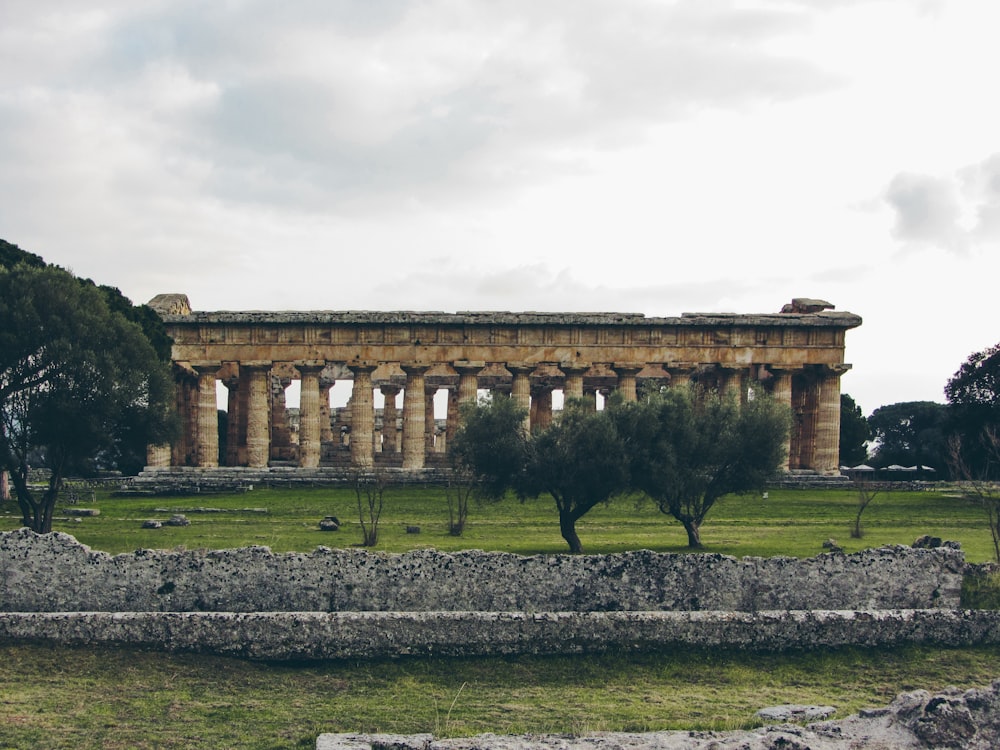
80	386
688	449
490	445
911	433
580	461
973	394
11	255
142	315
854	433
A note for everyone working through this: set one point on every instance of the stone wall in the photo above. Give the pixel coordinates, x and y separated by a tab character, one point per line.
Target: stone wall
55	573
366	635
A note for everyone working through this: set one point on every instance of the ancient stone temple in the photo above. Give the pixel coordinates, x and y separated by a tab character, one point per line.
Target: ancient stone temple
797	355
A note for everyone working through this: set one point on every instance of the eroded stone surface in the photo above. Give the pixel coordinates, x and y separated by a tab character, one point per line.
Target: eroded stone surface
53	573
378	635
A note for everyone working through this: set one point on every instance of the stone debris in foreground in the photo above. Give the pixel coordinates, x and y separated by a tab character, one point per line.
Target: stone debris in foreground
953	718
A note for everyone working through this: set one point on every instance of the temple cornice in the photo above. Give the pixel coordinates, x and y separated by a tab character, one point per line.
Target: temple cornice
824	319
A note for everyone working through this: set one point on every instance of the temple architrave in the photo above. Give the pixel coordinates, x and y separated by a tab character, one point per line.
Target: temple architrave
797	355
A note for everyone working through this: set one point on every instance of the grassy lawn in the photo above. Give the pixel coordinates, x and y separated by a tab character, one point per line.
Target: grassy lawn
120	698
788	522
54	697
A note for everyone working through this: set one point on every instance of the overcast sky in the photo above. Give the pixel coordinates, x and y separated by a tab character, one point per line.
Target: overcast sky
581	155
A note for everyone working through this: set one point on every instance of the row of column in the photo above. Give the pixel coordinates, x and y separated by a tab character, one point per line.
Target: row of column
811	392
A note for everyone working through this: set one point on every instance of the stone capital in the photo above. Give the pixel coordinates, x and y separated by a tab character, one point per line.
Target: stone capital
836	369
414	368
318	364
626	368
519	368
362	368
204	368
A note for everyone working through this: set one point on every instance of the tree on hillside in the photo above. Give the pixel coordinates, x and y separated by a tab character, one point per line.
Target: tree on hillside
580	462
689	449
973	395
76	380
910	433
11	255
854	433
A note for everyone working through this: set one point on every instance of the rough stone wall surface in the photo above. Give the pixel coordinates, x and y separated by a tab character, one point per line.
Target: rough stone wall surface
375	635
55	573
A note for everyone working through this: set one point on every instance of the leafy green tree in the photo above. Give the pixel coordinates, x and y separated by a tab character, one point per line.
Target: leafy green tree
487	455
580	462
490	444
910	433
854	433
688	449
973	395
76	379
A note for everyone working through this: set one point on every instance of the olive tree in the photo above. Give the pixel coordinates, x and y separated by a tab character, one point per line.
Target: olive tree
580	462
689	448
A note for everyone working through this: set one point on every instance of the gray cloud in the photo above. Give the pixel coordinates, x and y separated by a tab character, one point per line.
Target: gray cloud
956	212
324	104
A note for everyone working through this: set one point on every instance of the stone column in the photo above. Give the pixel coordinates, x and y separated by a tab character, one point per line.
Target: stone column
590	397
541	404
520	391
626	381
183	451
826	455
805	408
208	417
362	417
413	416
281	433
157	457
468	381
453	418
233	410
573	387
781	392
430	426
325	428
680	375
731	383
258	417
309	414
389	417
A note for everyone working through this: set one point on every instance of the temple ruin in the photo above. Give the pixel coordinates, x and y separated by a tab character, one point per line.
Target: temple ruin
797	355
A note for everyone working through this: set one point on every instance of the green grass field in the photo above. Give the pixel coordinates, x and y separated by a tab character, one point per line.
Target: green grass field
56	697
121	698
788	522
